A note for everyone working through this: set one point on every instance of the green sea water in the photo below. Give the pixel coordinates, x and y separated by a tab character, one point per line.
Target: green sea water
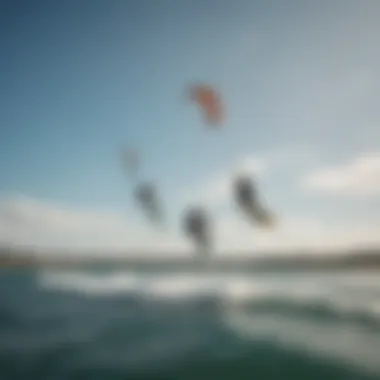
119	324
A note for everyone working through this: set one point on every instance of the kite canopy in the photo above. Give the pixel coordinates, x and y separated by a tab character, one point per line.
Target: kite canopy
208	99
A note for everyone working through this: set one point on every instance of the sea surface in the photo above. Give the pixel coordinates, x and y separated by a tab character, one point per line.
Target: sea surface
111	323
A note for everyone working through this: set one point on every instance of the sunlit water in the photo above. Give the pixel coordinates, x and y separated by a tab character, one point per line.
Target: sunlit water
115	324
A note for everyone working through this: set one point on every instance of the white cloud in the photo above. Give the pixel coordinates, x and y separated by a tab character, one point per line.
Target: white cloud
26	221
360	177
292	234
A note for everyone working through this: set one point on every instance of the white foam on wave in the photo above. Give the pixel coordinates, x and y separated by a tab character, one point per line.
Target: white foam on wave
229	288
353	343
239	288
350	344
89	284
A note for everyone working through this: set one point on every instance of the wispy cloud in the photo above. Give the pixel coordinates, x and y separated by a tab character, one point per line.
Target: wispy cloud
359	177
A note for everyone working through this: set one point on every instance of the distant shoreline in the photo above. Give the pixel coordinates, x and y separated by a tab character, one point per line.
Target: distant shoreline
368	259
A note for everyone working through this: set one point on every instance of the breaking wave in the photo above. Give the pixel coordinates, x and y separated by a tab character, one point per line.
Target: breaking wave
351	297
179	324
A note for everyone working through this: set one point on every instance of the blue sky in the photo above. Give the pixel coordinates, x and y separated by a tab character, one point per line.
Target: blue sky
80	79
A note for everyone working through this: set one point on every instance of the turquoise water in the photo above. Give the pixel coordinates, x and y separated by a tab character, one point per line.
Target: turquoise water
115	324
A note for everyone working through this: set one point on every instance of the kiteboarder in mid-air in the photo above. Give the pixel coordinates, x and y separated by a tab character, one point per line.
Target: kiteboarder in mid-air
196	225
146	196
246	197
145	192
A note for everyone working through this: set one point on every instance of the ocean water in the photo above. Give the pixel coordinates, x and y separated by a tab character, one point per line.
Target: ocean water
115	324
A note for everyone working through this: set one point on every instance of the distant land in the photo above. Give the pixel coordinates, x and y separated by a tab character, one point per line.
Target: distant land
364	258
